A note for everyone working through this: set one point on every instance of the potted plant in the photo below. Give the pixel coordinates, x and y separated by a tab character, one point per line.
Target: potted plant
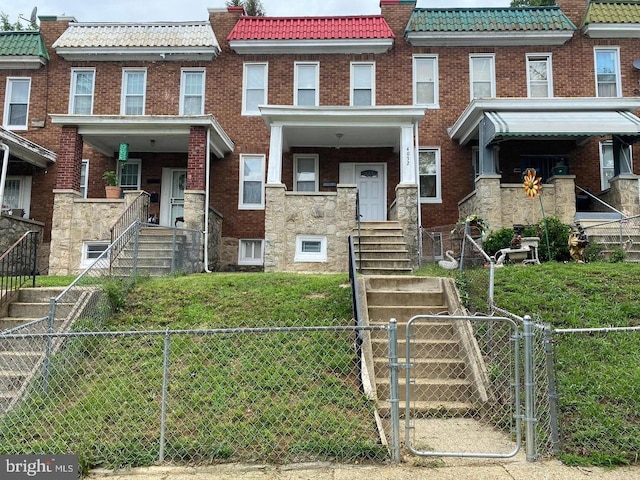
112	190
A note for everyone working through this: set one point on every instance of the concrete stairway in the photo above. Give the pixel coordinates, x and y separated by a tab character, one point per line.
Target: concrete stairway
156	249
445	358
603	230
383	250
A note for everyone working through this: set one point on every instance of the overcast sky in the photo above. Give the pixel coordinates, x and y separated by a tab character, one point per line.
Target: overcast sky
172	10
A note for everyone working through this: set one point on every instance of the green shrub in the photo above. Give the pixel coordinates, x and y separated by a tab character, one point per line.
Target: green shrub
593	252
618	255
497	240
558	235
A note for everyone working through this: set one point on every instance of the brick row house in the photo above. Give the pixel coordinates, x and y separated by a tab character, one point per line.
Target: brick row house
264	132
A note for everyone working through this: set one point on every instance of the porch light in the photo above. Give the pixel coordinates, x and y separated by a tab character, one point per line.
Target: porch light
123	152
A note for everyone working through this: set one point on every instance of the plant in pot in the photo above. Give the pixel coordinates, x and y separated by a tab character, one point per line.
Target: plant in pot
112	190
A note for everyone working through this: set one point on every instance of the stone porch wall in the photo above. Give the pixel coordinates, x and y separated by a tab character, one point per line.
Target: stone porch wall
406	213
215	240
289	214
624	194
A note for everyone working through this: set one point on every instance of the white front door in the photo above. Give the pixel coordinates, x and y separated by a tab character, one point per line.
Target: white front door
371	182
174	181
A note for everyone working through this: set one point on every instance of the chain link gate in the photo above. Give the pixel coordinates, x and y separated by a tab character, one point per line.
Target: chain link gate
461	394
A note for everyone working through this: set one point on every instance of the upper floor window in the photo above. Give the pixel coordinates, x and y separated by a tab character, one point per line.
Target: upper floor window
16	104
133	91
129	174
306	83
254	91
425	81
429	168
608	72
192	92
363	93
539	79
482	76
252	173
82	87
305	173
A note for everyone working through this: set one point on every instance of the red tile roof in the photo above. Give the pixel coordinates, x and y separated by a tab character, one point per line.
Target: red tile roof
311	28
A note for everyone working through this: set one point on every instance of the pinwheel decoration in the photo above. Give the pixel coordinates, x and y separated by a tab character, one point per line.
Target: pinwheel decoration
532	184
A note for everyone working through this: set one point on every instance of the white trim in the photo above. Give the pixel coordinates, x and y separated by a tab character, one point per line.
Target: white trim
611	30
316	160
203	73
131	161
438	175
265	98
319	257
316	85
11	81
251	206
604	183
86	262
372	79
616	52
488	39
383	166
242	260
301	47
436	82
537	57
72	89
85	186
492	65
123	94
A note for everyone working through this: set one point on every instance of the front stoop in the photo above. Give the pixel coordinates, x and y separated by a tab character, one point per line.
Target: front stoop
158	254
442	353
381	249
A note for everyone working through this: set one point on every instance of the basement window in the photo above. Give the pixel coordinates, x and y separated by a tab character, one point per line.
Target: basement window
91	251
311	248
250	252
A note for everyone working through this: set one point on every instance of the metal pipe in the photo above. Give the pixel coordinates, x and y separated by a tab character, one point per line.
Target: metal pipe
394	400
165	389
3	176
529	396
207	181
553	392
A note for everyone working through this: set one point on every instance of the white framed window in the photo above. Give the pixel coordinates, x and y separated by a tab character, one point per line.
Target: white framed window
82	88
482	76
306	83
254	87
475	161
425	81
92	251
363	84
607	171
429	168
607	65
252	174
129	174
305	173
84	178
17	194
311	248
16	103
192	91
251	252
539	76
134	88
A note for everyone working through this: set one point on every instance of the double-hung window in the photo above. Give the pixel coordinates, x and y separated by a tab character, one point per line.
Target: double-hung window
133	91
306	84
84	178
607	72
16	105
305	173
192	92
363	82
539	78
17	194
607	171
252	173
129	174
425	80
482	76
254	90
429	168
82	88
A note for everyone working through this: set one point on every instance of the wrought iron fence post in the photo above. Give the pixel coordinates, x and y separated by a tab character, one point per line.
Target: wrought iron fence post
394	391
165	386
529	390
49	347
553	393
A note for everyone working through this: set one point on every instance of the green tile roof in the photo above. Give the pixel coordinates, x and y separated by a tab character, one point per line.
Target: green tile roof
611	11
488	19
26	44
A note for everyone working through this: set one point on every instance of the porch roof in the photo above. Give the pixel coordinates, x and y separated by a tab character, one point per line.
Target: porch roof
26	150
555	118
146	133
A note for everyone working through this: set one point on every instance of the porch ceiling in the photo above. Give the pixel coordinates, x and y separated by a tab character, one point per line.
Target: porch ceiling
157	133
551	118
341	127
26	150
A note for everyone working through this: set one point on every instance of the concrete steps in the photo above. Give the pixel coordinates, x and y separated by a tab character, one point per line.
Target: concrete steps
158	253
381	249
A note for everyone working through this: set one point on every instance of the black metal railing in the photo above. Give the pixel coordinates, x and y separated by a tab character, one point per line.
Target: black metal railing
137	211
18	265
355	305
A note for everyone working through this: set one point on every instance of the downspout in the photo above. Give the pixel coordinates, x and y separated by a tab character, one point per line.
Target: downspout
3	176
206	204
417	165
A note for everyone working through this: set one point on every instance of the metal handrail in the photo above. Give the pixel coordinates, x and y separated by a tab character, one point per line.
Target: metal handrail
602	202
359	220
355	305
137	210
18	265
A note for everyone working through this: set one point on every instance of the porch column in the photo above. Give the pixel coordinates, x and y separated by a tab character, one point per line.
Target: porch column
274	173
69	162
197	158
194	194
408	166
487	151
625	192
621	160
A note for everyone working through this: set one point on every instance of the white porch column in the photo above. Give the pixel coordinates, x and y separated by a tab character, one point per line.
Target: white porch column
407	156
274	173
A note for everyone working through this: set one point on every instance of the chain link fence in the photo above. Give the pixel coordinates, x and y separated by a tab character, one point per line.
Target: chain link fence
615	241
